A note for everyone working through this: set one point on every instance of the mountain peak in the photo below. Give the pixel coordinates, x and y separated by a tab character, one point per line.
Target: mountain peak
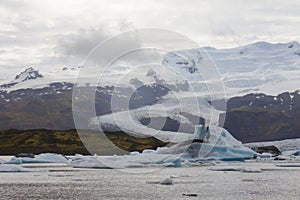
267	45
28	74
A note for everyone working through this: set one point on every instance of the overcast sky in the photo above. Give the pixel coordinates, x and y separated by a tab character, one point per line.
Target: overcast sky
56	32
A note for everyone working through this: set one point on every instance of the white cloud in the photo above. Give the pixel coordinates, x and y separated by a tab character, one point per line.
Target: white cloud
31	31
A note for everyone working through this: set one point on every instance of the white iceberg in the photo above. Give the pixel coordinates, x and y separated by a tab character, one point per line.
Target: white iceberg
117	162
225	168
282	145
41	158
80	161
167	181
220	146
15	168
291	153
287	164
235	168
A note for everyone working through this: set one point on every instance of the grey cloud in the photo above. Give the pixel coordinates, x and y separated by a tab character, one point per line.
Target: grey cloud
77	47
80	43
32	25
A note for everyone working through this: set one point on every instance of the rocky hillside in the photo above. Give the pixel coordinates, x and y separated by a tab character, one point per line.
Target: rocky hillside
13	142
259	117
51	107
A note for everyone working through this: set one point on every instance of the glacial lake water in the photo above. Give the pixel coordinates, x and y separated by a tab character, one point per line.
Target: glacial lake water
58	181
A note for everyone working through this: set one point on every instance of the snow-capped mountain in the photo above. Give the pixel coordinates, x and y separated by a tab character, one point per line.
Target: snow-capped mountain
29	74
26	75
252	68
40	98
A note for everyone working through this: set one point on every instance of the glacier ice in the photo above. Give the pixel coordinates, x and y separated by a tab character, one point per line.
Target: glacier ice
167	181
118	162
15	168
80	161
288	164
41	158
220	146
225	167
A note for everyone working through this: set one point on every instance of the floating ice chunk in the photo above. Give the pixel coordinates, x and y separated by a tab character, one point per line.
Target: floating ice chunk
282	145
251	170
153	158
287	164
41	158
225	168
118	162
282	157
167	181
80	161
264	156
291	153
15	168
148	151
58	174
190	195
134	153
235	168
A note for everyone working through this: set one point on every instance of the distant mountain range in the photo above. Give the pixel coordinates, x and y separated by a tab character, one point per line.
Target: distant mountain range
260	82
253	68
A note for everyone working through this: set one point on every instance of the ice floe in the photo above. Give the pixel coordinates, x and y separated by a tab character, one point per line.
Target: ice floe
127	161
287	164
41	158
15	168
167	181
282	145
242	169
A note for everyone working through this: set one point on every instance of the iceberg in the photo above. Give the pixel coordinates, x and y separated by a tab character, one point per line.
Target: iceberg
146	159
167	181
80	161
282	145
287	164
235	168
219	146
15	168
41	158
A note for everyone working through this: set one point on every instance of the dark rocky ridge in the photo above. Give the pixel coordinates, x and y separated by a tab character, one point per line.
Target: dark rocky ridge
51	107
260	117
